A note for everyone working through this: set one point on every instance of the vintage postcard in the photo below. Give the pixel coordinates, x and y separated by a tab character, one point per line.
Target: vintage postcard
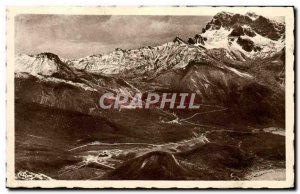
150	97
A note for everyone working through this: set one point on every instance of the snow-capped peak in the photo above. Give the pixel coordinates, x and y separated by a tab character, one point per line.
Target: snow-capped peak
45	64
249	34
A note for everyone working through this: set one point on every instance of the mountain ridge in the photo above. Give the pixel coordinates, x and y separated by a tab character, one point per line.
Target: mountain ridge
229	70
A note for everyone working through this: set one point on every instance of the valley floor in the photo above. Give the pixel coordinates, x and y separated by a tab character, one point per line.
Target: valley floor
197	153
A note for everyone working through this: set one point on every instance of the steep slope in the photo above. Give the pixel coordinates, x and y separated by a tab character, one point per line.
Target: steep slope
235	89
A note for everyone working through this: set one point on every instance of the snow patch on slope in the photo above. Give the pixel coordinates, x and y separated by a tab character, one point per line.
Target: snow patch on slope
34	66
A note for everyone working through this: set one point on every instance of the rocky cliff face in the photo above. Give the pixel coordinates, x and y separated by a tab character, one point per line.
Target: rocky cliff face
250	34
259	24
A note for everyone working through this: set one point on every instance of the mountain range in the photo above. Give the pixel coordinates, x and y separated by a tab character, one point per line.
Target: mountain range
235	65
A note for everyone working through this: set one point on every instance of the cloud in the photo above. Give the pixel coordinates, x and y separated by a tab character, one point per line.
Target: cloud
74	36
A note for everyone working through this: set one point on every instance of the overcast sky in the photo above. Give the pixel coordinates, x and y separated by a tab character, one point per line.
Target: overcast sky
77	36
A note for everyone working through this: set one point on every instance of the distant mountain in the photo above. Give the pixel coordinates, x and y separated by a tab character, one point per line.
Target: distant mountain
242	36
259	24
47	64
174	54
236	37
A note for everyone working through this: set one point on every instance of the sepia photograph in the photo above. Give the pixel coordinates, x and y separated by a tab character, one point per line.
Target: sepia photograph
150	97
